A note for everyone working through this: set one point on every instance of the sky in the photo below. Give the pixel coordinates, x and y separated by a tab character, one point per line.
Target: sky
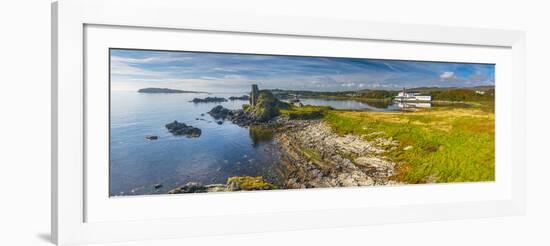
224	72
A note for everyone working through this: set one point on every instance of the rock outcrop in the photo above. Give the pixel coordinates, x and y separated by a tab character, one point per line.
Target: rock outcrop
181	129
209	100
237	116
219	112
315	156
244	98
266	107
263	108
237	183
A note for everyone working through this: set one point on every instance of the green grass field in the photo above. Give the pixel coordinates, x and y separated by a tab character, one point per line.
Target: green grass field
446	144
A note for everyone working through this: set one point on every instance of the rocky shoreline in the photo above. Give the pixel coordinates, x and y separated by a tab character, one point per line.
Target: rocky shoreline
315	156
237	183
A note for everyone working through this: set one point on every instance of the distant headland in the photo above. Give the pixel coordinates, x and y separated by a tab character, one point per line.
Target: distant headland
165	90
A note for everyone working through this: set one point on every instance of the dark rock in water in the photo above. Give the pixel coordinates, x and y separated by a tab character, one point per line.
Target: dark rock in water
238	116
191	187
157	186
219	122
179	129
244	97
209	99
152	137
202	114
219	112
241	118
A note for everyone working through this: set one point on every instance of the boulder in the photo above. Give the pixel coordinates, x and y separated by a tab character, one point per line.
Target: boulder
181	129
219	112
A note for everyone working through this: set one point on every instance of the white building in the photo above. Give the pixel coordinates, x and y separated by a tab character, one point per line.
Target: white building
412	96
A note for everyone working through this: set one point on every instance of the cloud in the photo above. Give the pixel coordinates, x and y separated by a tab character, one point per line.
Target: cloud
229	70
348	84
219	72
151	59
447	75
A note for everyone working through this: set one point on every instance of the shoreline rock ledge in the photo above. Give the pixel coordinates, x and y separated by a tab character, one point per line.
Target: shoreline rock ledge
181	129
262	109
237	116
235	183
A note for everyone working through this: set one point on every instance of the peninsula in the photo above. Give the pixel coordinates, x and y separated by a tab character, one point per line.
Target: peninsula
165	90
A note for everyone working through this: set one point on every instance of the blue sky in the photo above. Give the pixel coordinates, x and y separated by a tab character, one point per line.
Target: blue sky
219	72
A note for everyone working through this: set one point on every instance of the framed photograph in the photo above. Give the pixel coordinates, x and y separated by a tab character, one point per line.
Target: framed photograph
174	123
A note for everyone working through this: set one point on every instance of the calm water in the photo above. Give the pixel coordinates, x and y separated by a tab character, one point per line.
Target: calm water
137	164
352	104
222	151
363	105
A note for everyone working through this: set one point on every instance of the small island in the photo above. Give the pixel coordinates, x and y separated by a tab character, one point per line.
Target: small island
244	98
209	100
165	90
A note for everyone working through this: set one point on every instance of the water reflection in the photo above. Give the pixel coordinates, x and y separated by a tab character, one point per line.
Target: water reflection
260	134
351	104
406	105
382	105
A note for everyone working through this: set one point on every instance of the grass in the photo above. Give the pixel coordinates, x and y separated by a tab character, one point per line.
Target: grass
251	183
306	112
447	144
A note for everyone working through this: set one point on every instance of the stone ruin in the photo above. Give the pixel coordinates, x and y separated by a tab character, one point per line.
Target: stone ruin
254	94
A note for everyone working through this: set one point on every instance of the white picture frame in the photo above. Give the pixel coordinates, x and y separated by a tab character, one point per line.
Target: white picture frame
80	217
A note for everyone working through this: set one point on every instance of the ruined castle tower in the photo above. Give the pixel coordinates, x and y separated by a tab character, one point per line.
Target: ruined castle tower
254	95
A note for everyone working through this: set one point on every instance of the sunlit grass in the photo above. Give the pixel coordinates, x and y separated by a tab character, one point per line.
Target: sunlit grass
250	183
305	112
447	144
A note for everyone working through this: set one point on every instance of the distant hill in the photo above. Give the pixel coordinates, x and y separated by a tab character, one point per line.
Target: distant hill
478	93
429	89
165	90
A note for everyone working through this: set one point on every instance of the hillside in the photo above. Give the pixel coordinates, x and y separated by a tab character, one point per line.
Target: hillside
165	90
